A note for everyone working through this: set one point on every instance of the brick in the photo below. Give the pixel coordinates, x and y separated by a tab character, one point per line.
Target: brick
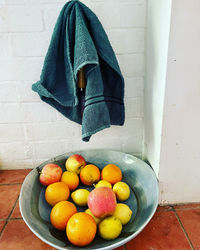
60	117
52	131
76	127
25	92
134	86
87	3
37	162
47	1
16	164
9	113
26	112
131	127
132	65
20	19
49	149
5	46
14	151
27	69
25	44
97	141
132	42
131	144
15	1
50	17
8	92
38	112
21	69
133	107
119	1
123	14
112	141
5	69
20	2
11	132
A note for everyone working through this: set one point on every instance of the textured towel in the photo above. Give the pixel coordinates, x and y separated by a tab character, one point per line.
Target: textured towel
79	40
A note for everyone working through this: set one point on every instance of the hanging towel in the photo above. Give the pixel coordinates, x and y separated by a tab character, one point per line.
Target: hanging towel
79	40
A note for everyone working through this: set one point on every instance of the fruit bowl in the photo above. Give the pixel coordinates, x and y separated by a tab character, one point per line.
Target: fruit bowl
143	199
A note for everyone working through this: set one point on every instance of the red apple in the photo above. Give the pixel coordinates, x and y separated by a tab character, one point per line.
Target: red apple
102	202
50	173
75	163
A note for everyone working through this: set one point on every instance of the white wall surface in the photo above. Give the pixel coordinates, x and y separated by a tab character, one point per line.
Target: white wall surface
179	173
30	130
158	26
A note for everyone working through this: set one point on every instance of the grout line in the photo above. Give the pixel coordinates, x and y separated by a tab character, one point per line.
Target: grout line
124	246
17	218
3	228
9	216
187	208
10	184
181	224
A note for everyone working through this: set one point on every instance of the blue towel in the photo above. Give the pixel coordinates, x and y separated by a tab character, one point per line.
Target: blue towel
79	40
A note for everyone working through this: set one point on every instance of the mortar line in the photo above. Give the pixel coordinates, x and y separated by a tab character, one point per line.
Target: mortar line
181	224
188	208
8	218
15	219
10	184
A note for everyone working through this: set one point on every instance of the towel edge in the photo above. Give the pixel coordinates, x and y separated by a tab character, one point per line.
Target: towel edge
86	136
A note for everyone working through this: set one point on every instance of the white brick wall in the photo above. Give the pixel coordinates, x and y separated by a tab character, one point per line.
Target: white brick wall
120	14
30	130
29	41
20	18
132	42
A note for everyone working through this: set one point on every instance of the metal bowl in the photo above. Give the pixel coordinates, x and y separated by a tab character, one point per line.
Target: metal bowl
143	200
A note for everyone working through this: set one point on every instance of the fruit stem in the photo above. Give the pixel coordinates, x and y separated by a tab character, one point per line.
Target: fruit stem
38	170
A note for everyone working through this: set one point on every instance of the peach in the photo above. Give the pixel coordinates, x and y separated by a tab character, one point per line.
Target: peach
75	163
50	173
102	202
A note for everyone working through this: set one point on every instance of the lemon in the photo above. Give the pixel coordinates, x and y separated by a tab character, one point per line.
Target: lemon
97	220
103	183
110	228
80	197
121	190
123	212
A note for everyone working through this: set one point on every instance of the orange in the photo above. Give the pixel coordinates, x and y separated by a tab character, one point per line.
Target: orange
61	213
81	229
71	179
111	173
56	192
90	174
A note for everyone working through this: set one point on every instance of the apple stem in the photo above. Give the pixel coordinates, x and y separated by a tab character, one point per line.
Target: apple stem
38	170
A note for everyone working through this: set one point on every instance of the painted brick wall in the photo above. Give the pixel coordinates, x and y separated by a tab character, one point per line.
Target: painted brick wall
30	130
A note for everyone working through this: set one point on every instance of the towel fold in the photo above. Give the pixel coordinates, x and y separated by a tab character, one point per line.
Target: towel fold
79	40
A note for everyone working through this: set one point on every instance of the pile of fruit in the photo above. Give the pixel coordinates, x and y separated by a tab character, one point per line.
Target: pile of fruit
103	214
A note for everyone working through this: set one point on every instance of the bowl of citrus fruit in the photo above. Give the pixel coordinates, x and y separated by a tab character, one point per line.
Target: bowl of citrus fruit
90	199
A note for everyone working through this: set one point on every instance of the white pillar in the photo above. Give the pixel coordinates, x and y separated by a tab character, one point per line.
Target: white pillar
179	172
158	25
172	98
